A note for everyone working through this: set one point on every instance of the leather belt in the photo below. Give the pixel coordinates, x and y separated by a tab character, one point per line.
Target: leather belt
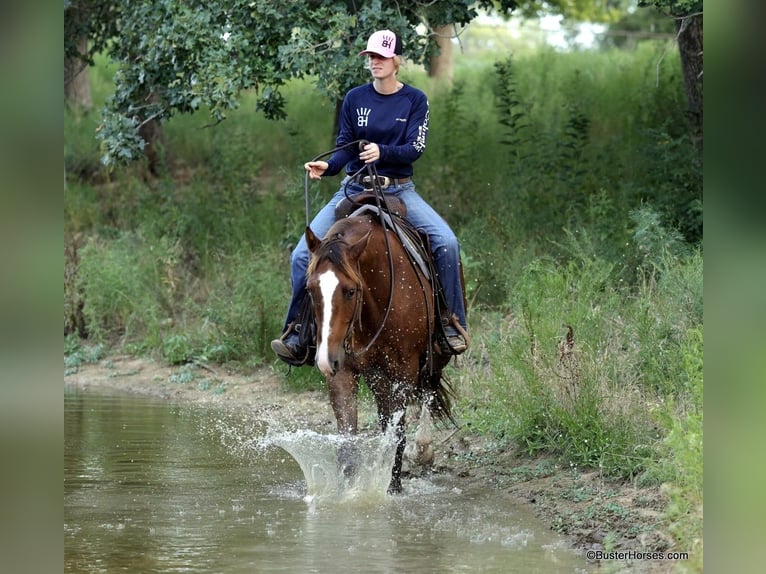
383	181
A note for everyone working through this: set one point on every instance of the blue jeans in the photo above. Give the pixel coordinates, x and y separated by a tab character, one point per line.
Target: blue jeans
444	244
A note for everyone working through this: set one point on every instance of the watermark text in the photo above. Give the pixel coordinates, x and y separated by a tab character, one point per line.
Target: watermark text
635	555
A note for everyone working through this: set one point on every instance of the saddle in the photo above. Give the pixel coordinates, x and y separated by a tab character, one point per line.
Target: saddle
349	204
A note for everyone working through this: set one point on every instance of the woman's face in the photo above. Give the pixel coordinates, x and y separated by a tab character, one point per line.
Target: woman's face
381	67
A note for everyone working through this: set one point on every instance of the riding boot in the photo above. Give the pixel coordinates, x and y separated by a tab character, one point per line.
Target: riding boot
455	340
289	348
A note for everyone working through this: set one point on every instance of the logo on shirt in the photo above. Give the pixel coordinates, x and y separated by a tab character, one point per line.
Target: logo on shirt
362	115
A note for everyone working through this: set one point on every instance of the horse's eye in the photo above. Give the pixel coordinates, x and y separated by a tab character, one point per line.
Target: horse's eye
349	293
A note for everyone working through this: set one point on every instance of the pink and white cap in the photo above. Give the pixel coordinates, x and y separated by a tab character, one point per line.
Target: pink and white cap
383	43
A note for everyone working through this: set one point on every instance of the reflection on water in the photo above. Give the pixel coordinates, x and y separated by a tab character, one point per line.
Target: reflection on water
153	487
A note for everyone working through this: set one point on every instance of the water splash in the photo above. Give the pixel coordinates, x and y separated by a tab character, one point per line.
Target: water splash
338	468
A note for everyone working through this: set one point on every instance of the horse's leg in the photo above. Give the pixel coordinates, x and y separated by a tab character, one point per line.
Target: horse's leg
390	400
343	388
396	473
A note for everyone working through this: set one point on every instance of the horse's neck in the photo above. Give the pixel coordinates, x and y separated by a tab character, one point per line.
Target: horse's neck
375	266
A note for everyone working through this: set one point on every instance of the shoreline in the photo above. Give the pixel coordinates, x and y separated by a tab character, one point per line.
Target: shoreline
593	513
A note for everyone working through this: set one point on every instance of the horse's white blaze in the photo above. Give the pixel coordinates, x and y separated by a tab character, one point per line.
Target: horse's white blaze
328	283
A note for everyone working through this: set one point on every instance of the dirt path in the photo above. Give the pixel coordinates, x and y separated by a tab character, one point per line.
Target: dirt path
596	514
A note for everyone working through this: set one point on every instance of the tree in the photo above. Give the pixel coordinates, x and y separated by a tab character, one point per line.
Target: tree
176	57
440	63
88	26
688	17
76	78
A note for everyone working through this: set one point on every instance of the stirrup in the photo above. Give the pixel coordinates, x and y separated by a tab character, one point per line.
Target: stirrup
455	344
293	354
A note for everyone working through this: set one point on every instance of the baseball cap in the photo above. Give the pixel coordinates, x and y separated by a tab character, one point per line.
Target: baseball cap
383	43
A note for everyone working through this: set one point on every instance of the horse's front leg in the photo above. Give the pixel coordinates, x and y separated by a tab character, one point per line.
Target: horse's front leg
390	398
396	472
343	388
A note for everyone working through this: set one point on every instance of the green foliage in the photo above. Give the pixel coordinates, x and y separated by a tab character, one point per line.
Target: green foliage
76	354
139	291
680	467
637	26
653	241
95	20
510	109
122	286
577	10
583	361
674	8
176	57
565	182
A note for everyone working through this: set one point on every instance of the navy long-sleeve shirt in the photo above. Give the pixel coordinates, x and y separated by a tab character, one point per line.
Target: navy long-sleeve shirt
397	122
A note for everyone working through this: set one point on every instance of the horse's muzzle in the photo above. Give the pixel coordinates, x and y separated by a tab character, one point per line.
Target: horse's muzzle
331	363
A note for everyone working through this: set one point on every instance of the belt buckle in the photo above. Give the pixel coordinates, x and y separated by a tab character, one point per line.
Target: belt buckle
382	180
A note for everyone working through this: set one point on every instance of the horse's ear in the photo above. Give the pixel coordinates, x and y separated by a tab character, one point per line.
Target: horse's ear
358	247
312	240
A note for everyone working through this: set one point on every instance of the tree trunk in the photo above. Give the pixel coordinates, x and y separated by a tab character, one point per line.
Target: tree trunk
155	150
690	49
441	67
77	79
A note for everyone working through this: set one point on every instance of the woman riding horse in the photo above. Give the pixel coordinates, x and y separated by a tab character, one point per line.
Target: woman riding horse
394	117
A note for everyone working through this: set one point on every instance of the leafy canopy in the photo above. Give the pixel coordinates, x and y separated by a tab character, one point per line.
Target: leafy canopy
176	57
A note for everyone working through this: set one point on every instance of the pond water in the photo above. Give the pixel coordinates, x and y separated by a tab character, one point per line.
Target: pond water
155	487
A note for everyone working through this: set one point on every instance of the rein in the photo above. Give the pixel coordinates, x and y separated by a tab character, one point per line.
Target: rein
360	143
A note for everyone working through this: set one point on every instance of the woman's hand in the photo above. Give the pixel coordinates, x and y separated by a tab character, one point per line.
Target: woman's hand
315	168
370	153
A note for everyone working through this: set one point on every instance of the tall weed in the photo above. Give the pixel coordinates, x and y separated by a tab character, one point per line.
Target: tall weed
680	465
121	285
579	360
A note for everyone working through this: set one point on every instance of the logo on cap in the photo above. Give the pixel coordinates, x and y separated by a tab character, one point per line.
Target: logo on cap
388	42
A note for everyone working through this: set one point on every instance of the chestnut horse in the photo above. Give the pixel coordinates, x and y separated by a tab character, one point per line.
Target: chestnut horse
375	325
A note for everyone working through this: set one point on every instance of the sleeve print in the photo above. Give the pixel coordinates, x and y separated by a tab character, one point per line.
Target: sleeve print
420	142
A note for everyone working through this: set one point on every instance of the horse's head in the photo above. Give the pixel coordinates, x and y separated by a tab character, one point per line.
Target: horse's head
335	288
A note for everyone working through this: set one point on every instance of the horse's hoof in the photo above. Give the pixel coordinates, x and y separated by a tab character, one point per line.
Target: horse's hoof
348	459
395	487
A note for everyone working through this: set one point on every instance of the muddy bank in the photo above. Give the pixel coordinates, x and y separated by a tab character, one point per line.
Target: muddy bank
594	513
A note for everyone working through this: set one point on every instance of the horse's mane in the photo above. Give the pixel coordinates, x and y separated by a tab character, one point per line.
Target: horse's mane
335	246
